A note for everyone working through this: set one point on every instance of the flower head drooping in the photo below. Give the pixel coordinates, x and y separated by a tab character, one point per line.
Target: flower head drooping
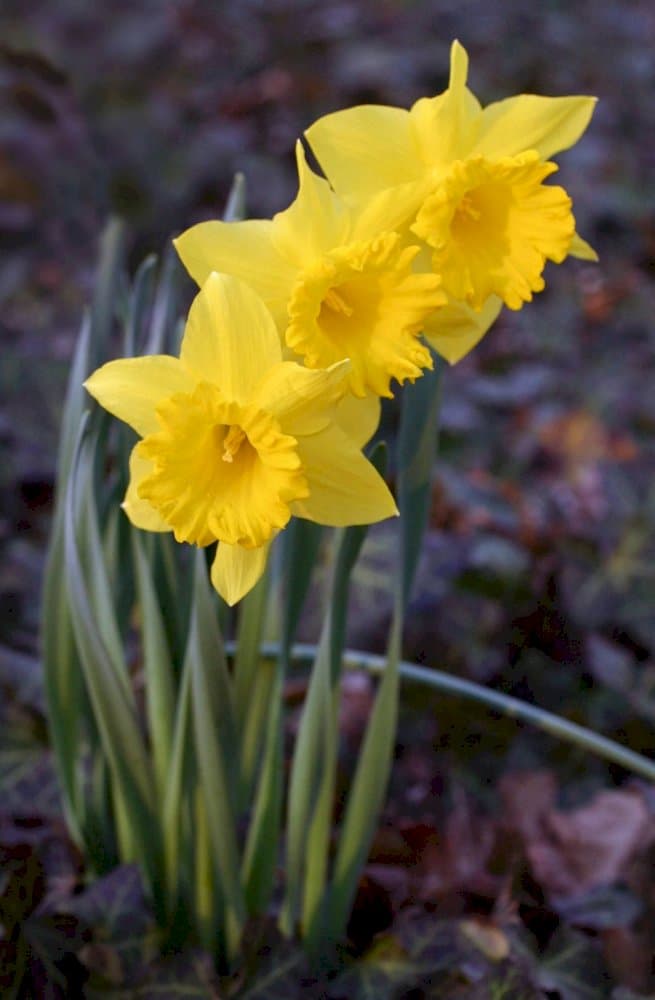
467	180
340	283
235	440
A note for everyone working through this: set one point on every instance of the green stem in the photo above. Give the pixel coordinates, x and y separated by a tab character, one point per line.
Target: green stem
547	722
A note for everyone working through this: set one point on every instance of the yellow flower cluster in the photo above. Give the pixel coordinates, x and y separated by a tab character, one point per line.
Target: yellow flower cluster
427	221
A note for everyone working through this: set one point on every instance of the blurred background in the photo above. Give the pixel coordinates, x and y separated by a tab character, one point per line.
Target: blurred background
539	571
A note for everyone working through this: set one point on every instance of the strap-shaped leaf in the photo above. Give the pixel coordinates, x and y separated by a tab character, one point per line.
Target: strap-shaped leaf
179	801
158	668
300	544
235	208
252	687
109	278
212	715
63	679
417	444
367	793
415	455
140	298
95	570
114	715
313	767
262	846
162	335
62	673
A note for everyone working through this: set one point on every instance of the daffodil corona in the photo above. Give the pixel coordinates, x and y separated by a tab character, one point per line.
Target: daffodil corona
469	182
235	440
340	283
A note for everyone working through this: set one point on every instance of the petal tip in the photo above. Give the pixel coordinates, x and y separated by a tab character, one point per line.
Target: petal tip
459	64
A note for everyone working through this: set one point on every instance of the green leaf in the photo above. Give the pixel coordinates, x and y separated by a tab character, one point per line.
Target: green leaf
416	450
573	968
140	298
601	908
94	567
63	682
158	669
185	976
107	285
63	679
381	974
170	563
252	686
113	711
300	543
235	209
417	442
367	792
62	674
116	910
27	778
163	334
212	713
207	652
262	845
313	770
299	547
179	789
284	976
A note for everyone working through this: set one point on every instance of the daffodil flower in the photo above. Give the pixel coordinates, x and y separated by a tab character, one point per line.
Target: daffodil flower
340	283
234	440
467	180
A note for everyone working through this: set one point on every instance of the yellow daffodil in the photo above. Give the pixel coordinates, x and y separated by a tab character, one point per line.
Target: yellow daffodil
235	440
467	180
340	283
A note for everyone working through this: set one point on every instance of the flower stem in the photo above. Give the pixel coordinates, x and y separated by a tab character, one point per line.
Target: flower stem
548	722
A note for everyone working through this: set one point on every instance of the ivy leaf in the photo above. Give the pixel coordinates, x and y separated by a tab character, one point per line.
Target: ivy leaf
117	913
282	976
384	969
601	908
572	967
189	976
28	780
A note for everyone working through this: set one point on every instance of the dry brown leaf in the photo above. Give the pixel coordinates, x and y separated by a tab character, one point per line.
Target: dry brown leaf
575	851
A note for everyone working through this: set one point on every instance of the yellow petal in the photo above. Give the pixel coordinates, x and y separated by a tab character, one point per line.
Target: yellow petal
359	418
230	337
547	124
315	222
365	149
244	249
131	388
344	487
302	399
446	126
236	570
581	249
455	330
390	209
459	66
140	512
